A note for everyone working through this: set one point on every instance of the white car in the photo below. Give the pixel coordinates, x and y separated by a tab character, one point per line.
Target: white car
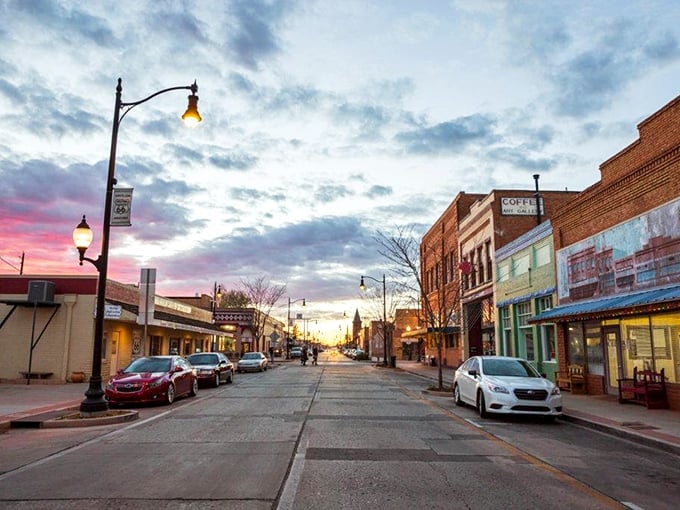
252	362
505	385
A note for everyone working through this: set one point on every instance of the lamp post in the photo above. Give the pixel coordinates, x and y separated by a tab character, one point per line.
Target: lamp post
216	297
288	326
94	403
384	320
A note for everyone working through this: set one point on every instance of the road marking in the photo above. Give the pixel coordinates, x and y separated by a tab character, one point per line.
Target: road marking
561	475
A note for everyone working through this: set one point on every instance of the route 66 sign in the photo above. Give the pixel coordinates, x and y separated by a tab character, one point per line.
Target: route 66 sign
121	207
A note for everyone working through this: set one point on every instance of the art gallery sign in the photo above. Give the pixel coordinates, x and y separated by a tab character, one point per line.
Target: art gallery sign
519	206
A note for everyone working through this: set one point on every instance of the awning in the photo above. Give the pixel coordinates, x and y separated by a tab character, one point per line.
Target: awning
639	302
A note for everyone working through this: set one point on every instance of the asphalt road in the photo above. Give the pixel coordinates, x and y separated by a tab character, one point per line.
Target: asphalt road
342	435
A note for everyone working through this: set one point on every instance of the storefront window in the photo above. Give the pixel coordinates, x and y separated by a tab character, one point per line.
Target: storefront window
575	337
525	330
666	341
506	331
595	352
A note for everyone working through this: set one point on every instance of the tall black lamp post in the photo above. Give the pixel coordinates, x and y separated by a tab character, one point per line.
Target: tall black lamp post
288	326
384	320
94	403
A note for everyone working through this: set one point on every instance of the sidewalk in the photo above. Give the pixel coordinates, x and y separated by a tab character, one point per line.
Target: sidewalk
653	427
658	427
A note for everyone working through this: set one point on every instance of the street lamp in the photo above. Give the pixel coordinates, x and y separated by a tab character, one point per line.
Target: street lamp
94	403
288	326
384	321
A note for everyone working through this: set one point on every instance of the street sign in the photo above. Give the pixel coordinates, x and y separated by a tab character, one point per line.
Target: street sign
273	337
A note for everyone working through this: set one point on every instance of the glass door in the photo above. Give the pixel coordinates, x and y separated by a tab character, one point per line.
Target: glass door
612	340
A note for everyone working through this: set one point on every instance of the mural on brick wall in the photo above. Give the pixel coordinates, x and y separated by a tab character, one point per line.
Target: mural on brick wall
638	254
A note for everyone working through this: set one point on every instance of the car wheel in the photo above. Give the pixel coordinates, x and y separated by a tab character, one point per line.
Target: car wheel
456	396
230	378
481	405
216	382
170	394
194	388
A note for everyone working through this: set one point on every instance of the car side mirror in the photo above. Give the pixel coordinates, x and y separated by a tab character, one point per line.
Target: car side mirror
473	372
178	368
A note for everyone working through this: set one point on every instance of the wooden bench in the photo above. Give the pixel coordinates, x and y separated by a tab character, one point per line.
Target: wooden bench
36	375
574	379
645	387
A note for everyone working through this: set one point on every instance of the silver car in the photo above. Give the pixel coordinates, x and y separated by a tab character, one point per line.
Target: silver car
505	385
252	362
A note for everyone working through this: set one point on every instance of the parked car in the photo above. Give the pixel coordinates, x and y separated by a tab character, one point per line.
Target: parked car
505	385
152	379
212	367
252	362
296	352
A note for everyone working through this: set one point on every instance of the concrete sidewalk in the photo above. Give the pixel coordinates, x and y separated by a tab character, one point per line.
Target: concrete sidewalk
653	427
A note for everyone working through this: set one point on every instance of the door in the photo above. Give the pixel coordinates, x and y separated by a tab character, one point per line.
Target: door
115	337
612	339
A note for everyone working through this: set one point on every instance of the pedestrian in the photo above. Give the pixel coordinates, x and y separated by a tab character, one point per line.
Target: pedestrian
303	357
315	355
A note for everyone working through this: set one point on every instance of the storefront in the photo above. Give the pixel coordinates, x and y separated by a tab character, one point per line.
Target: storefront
611	337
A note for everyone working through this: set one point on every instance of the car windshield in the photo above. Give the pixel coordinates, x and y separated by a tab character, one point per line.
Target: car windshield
149	365
508	368
251	355
203	359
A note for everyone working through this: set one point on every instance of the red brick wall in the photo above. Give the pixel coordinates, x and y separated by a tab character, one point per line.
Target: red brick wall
641	177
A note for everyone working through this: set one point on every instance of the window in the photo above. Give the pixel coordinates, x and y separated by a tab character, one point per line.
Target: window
525	330
520	265
542	255
506	331
547	331
503	272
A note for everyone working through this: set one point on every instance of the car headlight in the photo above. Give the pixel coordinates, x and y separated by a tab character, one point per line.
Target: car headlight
156	383
494	388
109	385
556	391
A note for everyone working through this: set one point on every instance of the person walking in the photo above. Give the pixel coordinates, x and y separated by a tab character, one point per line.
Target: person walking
303	357
315	355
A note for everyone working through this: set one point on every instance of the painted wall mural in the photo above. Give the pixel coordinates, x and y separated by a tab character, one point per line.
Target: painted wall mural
638	254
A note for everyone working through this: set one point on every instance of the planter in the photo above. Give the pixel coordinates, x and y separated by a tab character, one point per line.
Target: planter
78	377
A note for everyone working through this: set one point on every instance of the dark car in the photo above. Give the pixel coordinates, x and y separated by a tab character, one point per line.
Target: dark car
212	367
152	379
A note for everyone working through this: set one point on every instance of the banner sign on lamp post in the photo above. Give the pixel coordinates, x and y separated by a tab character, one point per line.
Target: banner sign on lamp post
121	207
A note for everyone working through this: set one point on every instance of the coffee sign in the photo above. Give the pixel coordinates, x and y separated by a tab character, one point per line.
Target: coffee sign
519	206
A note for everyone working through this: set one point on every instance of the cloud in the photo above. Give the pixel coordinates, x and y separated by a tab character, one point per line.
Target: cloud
448	136
379	191
233	161
74	22
252	36
331	192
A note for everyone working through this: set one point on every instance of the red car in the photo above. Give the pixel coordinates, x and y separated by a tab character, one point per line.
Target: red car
152	379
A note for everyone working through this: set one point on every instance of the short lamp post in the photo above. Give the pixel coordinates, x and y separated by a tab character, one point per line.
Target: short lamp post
214	302
94	403
384	320
288	326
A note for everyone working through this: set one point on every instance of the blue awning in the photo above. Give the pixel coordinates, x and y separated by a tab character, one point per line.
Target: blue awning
611	306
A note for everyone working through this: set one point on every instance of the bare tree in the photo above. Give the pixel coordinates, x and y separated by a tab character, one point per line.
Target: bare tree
406	252
262	296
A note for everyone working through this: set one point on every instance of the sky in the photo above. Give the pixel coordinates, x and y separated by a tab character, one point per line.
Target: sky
324	122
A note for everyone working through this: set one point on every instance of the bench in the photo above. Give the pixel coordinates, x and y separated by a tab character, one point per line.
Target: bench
36	375
574	379
645	387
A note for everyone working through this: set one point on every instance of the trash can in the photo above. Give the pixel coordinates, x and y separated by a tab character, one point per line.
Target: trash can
393	362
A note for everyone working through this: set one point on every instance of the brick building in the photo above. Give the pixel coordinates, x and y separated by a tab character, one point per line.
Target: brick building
617	249
457	264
